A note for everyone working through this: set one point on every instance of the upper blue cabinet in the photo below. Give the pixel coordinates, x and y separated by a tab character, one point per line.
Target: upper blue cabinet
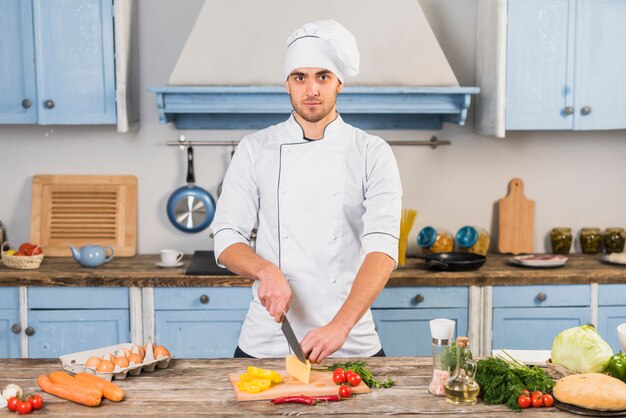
57	61
550	65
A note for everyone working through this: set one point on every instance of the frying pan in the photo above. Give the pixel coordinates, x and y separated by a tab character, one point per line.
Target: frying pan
190	208
453	261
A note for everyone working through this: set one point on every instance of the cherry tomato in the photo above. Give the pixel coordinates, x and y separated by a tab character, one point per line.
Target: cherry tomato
537	393
525	393
548	400
345	391
339	376
12	404
537	401
354	379
523	401
24	408
36	401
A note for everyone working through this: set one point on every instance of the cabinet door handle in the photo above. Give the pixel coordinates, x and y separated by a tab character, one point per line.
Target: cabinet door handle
585	110
204	299
30	331
26	104
49	104
419	298
542	297
16	328
568	110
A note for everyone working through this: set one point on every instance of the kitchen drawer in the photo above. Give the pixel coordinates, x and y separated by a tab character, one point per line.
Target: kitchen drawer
612	295
78	298
202	298
422	297
542	295
9	298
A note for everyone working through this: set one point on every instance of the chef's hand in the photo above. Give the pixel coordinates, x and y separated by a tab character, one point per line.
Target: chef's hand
274	293
320	343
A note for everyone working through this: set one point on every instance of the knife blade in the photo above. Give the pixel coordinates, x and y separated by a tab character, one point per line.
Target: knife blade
292	339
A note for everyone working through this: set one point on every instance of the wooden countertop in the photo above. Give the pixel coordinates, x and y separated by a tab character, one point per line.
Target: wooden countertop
201	387
141	271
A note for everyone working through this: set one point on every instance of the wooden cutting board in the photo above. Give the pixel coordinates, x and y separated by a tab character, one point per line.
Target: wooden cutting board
84	209
517	221
320	384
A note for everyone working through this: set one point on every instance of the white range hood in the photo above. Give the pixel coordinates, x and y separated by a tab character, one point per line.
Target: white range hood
229	74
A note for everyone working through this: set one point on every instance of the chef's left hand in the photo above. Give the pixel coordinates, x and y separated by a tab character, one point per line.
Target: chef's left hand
324	341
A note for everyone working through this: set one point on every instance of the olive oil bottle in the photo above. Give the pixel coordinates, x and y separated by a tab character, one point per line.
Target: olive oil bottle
461	388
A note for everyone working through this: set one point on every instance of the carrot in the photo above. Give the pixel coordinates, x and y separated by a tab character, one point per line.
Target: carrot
110	390
71	393
66	379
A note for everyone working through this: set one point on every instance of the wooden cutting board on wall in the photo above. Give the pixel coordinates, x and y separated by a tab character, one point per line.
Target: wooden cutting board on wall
517	221
84	209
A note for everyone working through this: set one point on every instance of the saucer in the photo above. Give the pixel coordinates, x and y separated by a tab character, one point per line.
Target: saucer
169	265
539	260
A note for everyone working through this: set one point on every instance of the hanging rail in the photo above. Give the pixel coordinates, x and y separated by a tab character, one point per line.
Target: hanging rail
182	142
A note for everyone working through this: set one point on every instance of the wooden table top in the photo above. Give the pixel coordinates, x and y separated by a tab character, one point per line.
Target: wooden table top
141	271
201	387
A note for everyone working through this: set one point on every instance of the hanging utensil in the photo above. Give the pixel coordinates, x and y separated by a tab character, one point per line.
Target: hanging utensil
190	208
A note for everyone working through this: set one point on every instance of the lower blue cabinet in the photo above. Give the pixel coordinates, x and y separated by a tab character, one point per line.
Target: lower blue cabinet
66	320
611	313
529	317
402	316
200	322
9	323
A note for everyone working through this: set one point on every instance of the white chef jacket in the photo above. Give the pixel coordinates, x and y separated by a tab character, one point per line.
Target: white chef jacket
320	206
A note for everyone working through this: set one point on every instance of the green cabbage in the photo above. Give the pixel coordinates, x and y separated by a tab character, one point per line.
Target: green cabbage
581	349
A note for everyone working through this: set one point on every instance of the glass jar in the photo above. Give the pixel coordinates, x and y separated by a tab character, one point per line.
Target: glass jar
590	240
441	330
472	239
561	239
614	240
435	240
462	388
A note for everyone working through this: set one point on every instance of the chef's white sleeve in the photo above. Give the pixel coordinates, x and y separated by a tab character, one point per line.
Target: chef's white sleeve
383	201
238	204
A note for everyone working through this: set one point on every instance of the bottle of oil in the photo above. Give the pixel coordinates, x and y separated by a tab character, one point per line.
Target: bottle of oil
461	388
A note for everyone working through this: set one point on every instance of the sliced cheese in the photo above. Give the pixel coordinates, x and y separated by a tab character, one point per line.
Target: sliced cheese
297	369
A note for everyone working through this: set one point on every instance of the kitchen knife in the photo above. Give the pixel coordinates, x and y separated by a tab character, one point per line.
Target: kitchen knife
291	339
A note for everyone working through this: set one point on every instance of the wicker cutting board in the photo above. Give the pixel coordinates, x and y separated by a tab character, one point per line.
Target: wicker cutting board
517	221
84	209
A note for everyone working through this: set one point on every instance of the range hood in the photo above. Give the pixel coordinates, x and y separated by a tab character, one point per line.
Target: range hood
229	74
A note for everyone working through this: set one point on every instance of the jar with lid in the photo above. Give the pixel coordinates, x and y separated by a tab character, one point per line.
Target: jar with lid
435	240
561	239
472	239
462	388
441	330
590	240
614	240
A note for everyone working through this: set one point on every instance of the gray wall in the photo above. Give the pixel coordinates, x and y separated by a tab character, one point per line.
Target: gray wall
575	178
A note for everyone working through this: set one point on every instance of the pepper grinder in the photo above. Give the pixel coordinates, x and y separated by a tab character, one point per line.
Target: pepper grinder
441	330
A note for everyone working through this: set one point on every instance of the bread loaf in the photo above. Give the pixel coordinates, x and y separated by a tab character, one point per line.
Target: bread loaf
592	391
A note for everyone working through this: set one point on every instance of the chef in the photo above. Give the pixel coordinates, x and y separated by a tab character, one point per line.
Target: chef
325	198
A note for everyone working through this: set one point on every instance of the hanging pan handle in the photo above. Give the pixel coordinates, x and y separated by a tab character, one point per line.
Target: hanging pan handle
191	178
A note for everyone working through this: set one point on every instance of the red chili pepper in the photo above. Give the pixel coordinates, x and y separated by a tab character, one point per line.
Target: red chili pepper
303	399
331	398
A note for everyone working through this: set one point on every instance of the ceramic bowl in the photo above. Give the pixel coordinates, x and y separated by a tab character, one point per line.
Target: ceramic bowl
621	334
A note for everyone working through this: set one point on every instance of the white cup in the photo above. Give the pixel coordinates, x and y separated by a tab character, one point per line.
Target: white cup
171	257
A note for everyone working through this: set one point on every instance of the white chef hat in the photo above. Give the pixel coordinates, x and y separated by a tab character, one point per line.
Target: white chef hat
323	44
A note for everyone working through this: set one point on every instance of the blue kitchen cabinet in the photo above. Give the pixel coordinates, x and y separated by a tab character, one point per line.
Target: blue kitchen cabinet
529	317
9	323
611	312
66	320
61	55
560	69
402	315
200	322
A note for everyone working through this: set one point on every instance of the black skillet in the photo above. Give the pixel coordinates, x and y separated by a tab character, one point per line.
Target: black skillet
453	261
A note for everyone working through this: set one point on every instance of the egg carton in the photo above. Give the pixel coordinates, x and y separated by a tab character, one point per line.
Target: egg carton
75	362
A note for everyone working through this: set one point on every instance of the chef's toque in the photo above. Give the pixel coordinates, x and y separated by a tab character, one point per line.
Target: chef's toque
323	44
